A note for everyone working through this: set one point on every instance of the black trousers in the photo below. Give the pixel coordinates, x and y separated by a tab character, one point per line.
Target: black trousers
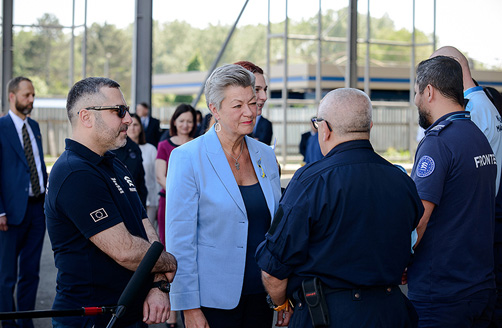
378	307
251	312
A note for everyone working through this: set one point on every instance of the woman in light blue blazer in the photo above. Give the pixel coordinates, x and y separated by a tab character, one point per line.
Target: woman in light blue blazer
222	190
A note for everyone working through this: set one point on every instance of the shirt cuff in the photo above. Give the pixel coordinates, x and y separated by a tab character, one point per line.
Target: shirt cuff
270	264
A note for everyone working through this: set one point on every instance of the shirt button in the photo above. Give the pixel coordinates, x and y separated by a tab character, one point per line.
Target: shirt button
356	295
389	289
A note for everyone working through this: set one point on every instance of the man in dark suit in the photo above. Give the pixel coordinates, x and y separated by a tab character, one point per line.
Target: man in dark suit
263	129
151	125
23	180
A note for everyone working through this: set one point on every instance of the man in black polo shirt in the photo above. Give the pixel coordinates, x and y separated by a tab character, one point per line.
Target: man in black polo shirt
98	227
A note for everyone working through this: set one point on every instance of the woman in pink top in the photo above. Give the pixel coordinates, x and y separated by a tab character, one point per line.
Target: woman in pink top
182	130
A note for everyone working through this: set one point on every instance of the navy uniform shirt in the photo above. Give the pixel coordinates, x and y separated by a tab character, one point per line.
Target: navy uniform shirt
346	218
87	194
455	169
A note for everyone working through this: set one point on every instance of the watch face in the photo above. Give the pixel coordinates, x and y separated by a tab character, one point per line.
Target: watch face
163	285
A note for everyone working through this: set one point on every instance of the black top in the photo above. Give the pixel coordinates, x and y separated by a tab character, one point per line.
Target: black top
346	218
258	224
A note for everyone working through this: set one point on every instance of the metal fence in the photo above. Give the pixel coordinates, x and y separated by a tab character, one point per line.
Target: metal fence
391	126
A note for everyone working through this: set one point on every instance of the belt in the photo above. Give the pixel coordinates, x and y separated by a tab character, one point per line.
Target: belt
357	293
37	199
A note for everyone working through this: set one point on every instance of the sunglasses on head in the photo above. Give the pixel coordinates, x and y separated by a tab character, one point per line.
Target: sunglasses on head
120	109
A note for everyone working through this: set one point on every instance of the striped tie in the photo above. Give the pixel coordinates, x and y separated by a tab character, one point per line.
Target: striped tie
28	152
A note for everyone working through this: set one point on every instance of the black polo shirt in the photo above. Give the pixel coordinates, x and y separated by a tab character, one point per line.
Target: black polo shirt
87	194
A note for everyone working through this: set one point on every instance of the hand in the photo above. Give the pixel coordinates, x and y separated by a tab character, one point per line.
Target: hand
404	277
194	318
3	223
283	317
156	308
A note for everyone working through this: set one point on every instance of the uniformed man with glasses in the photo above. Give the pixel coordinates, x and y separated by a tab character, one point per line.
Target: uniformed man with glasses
97	225
340	240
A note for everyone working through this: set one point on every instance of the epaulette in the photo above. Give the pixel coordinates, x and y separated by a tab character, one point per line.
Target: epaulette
436	130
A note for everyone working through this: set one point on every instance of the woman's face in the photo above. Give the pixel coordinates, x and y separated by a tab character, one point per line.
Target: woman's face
184	123
134	129
237	112
261	91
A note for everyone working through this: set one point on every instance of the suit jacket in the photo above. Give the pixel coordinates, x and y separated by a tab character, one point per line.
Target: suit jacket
153	132
303	143
206	220
14	170
264	131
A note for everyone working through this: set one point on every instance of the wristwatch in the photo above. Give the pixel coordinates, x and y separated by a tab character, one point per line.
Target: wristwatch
163	285
277	307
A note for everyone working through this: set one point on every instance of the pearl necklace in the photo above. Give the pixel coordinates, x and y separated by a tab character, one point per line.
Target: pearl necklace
237	165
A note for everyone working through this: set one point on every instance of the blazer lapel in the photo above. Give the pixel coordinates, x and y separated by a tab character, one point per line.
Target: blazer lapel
13	138
220	165
262	173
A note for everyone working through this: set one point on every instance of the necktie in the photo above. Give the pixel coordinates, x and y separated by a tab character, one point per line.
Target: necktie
28	152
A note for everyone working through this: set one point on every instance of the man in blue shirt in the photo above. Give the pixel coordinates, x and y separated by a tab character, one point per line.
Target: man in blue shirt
451	280
345	219
97	225
487	118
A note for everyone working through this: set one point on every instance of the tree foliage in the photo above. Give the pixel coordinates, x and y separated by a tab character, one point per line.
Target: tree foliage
44	53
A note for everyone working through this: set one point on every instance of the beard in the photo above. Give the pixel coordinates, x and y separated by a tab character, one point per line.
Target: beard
424	118
25	109
110	138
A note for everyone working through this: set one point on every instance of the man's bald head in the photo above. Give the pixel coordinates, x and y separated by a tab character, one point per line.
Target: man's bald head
454	53
348	111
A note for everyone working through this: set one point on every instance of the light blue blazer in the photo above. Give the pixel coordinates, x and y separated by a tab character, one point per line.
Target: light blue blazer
206	220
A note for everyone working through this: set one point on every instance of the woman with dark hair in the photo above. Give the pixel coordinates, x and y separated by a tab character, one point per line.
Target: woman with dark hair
182	129
136	133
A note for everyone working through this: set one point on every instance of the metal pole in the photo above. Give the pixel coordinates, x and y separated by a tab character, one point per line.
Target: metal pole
220	54
318	90
367	64
351	80
142	53
434	41
72	48
285	90
411	115
6	51
84	43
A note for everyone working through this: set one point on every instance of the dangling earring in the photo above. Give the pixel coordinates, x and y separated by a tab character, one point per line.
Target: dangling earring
217	127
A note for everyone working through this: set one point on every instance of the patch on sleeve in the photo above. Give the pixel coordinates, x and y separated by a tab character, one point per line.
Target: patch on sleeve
425	166
277	219
99	215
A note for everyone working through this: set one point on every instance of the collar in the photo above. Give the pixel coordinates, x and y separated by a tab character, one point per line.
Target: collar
473	89
18	122
349	145
462	115
88	154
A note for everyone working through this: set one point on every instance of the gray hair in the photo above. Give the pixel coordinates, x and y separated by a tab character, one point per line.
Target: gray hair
223	77
84	89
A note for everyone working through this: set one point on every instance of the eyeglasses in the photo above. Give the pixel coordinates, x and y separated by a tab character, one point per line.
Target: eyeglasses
316	120
121	109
